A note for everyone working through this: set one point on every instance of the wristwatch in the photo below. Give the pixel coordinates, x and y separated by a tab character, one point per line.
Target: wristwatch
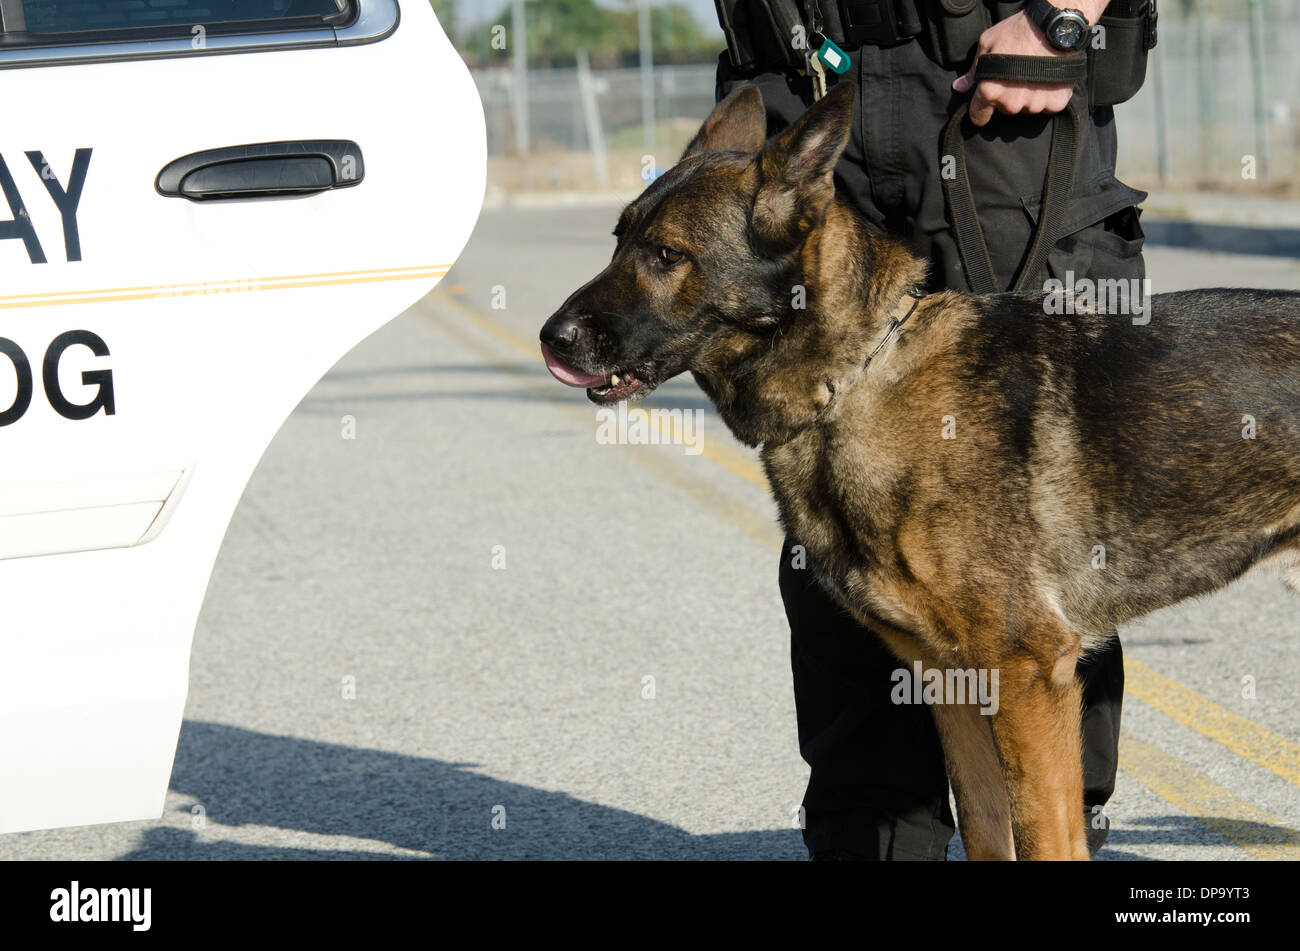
1066	30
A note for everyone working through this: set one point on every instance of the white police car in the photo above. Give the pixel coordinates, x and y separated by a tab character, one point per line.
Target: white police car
203	205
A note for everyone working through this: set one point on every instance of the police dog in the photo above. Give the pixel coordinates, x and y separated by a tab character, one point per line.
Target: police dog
996	487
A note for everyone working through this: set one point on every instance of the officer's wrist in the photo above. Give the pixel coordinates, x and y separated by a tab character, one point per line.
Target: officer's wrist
1092	9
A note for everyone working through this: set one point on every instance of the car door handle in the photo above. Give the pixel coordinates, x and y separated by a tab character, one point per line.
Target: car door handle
266	169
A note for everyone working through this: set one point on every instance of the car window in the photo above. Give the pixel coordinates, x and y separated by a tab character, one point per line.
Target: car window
78	16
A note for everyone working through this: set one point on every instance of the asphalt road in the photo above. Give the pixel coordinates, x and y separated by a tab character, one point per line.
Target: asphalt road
497	586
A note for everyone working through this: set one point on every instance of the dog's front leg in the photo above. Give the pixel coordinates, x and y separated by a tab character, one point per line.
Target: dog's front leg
1038	733
975	772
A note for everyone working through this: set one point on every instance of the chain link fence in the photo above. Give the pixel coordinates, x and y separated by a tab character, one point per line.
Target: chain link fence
564	146
1218	110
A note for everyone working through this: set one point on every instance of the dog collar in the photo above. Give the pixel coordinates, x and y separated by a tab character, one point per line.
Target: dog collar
916	294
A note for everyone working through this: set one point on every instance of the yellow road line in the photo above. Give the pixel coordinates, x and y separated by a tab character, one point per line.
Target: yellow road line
728	458
1262	835
722	455
759	527
323	279
1248	740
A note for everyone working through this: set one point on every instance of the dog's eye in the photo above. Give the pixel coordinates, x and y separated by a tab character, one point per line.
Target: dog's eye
668	257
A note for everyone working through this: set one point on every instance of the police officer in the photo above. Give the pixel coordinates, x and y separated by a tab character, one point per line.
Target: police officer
878	787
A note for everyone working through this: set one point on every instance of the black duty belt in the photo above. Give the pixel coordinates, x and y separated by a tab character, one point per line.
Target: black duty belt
760	33
875	22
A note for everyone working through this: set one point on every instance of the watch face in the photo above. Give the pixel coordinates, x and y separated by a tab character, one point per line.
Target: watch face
1067	32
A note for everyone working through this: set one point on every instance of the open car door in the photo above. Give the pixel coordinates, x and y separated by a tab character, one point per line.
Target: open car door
203	206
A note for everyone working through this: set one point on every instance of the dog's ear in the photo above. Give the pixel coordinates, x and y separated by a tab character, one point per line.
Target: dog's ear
796	169
737	124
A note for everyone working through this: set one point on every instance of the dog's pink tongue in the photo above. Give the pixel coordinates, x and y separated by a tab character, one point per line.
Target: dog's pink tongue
567	374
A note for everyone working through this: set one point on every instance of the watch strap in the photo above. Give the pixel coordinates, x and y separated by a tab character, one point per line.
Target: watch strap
1041	12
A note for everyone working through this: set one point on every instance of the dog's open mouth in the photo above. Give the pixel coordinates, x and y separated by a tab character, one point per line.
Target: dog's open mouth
610	388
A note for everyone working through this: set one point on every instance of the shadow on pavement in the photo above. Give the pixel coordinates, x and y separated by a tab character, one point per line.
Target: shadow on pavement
419	369
1230	239
675	394
1194	830
246	778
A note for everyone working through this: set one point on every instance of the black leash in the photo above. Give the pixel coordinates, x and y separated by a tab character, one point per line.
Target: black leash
1056	183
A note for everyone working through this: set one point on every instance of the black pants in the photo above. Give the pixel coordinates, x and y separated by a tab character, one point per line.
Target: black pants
878	787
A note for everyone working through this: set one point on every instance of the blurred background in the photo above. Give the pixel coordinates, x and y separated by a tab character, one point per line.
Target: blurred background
597	86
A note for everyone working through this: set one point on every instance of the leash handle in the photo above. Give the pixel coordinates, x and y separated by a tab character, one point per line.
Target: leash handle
1057	180
1047	70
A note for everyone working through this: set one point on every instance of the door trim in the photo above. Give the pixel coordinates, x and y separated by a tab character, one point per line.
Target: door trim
375	20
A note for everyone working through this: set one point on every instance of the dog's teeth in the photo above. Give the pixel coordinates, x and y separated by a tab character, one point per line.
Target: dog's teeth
613	379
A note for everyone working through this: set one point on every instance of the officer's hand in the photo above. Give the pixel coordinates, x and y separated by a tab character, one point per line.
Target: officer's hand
1017	35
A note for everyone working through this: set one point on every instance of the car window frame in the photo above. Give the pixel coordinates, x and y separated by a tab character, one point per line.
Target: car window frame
370	22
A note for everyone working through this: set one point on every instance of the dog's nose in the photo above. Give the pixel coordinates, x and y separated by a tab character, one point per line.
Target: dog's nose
560	333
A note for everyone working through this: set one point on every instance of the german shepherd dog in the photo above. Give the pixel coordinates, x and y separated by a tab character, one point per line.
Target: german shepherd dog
953	464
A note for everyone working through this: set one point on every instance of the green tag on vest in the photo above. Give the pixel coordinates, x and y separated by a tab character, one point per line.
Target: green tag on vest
835	58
